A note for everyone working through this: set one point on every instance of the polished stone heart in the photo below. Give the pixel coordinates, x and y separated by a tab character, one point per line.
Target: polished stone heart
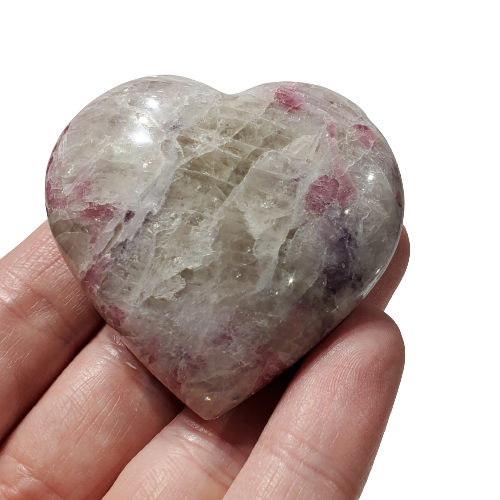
223	235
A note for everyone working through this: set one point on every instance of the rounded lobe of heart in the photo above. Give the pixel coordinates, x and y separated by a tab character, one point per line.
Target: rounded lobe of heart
222	235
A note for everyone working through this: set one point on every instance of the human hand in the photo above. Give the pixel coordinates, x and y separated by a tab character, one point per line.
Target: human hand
82	419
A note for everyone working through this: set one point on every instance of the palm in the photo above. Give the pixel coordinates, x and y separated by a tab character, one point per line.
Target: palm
98	425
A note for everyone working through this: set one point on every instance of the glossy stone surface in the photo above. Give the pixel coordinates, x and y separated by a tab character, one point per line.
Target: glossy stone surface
223	235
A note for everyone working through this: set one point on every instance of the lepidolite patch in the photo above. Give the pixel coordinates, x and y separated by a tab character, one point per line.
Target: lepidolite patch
223	235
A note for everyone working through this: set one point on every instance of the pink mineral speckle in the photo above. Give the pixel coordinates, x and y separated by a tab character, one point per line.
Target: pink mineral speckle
152	351
365	135
188	366
331	128
97	212
92	279
272	365
347	189
82	189
321	193
115	316
52	201
287	97
224	339
399	199
97	215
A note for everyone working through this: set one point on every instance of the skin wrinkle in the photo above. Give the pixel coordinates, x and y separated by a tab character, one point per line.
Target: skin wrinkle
149	487
40	308
29	259
211	439
12	490
13	348
17	282
152	487
192	442
292	456
158	483
191	448
8	300
293	450
205	432
105	408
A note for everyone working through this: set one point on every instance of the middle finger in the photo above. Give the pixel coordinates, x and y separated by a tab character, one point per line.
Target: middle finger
97	415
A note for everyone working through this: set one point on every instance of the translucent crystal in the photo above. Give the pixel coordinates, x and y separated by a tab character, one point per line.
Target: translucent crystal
223	235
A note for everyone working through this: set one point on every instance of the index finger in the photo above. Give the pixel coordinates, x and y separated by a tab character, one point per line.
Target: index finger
44	320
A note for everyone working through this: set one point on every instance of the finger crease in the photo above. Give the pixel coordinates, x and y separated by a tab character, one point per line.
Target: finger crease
24	485
192	448
42	305
298	455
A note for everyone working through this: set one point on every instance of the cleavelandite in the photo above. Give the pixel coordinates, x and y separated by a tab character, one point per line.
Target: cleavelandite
223	235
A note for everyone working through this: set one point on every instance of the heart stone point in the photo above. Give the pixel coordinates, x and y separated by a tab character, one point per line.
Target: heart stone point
223	235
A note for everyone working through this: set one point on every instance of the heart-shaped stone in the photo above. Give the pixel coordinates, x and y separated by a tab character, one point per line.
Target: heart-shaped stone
223	235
